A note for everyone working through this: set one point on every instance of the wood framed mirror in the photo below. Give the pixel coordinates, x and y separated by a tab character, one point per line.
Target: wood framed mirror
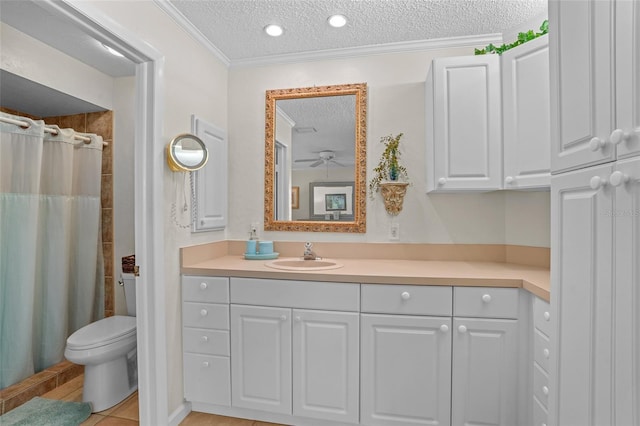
315	136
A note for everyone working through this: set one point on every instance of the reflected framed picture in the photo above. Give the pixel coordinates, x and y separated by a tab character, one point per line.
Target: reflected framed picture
295	197
335	202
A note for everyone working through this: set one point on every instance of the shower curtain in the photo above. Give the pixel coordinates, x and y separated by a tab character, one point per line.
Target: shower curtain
51	265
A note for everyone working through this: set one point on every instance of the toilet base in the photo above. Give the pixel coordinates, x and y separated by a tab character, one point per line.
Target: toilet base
109	383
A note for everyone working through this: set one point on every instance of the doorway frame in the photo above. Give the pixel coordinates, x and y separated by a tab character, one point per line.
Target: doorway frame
148	193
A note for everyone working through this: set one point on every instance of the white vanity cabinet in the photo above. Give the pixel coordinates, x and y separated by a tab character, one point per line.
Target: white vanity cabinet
295	348
595	223
205	339
525	115
464	124
595	82
406	355
485	364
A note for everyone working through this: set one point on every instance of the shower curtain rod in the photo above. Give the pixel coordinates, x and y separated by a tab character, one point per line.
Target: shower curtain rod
47	129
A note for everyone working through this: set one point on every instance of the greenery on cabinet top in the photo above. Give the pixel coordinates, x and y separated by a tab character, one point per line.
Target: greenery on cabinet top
522	38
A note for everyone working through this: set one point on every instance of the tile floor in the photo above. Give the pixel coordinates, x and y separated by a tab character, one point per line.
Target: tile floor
126	413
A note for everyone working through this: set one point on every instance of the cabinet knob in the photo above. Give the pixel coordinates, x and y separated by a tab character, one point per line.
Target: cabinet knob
486	298
462	329
546	315
205	363
545	390
444	328
203	286
203	312
597	182
442	181
597	144
298	319
405	295
618	136
617	178
204	339
509	180
545	352
283	317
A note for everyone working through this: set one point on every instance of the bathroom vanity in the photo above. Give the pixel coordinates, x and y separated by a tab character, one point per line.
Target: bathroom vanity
426	342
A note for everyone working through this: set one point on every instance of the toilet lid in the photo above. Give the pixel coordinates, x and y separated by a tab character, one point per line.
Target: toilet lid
102	332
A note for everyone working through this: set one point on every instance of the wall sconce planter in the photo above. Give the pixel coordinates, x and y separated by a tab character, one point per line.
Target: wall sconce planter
393	195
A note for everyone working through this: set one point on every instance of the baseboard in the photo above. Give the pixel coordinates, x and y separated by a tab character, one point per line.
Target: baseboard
179	414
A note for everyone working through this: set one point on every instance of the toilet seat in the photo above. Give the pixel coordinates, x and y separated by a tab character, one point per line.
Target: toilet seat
102	333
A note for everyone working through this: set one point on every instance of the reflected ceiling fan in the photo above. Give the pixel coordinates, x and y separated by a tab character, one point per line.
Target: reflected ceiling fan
324	157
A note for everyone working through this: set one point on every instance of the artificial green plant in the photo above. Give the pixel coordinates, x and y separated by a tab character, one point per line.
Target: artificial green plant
389	168
522	38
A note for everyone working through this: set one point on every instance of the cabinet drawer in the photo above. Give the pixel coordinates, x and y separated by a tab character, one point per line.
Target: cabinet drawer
541	350
204	341
540	415
205	289
207	379
205	315
406	299
485	302
541	386
542	316
296	294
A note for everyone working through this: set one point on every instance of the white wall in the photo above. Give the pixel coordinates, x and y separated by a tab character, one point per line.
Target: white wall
30	58
396	104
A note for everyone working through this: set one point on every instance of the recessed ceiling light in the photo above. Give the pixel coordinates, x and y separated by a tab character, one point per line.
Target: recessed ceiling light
273	30
113	51
337	21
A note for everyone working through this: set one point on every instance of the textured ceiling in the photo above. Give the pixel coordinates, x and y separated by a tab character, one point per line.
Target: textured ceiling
235	27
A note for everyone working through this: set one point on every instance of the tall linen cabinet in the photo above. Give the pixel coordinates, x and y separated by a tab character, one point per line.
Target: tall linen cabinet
595	212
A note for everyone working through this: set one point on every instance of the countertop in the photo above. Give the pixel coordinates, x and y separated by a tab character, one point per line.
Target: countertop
534	279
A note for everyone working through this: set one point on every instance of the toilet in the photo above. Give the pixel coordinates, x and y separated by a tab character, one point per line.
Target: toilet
107	349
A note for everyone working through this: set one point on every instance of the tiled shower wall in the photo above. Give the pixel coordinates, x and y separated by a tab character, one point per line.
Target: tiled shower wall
100	123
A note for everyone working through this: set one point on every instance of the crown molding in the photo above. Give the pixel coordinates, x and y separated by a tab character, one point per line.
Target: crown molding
378	49
328	54
182	21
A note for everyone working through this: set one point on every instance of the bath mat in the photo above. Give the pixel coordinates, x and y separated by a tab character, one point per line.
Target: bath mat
47	412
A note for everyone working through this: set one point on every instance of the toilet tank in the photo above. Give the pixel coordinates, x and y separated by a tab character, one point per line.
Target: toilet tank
129	282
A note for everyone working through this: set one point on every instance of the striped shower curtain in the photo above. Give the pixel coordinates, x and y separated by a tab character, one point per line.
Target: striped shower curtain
51	265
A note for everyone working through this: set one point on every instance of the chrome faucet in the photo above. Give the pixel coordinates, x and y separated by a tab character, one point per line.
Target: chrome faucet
308	253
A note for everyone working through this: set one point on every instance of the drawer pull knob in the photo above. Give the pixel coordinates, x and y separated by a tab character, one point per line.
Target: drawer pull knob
509	180
283	317
405	295
298	319
205	364
203	286
462	329
545	390
486	298
596	144
444	328
547	316
204	338
545	352
203	313
442	181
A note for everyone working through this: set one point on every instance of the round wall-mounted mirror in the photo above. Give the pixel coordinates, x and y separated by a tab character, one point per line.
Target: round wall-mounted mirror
186	153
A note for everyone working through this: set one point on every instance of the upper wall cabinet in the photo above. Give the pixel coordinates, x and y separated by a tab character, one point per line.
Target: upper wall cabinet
210	185
595	103
464	143
526	121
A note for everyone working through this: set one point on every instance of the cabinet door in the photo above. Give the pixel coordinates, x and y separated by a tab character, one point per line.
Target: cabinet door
526	117
406	370
326	374
485	372
626	216
465	144
581	282
210	184
628	77
261	358
580	58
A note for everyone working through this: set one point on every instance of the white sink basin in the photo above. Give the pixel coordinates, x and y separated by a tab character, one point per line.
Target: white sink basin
298	264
